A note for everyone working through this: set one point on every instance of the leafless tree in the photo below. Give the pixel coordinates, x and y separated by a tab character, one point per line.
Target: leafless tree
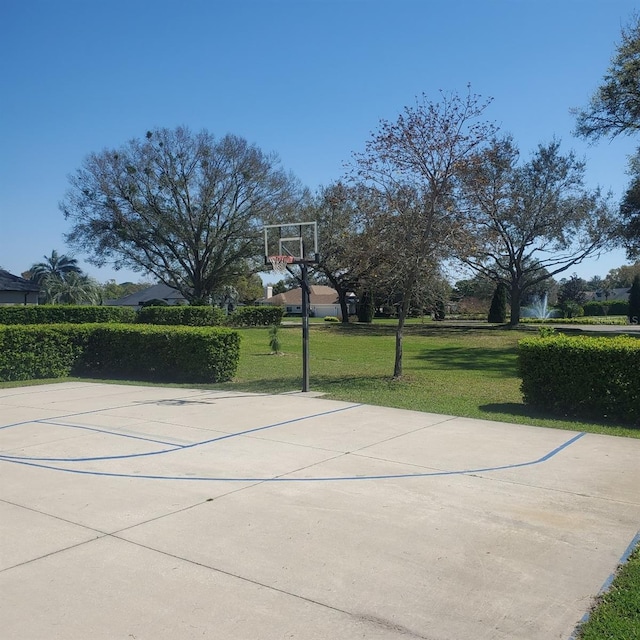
410	167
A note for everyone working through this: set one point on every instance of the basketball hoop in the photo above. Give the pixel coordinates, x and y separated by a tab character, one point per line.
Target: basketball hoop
279	263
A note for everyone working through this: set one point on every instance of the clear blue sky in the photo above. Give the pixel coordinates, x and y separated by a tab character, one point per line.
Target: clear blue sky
308	79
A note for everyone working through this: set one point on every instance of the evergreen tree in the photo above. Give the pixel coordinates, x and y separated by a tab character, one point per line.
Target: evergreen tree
366	307
498	310
634	301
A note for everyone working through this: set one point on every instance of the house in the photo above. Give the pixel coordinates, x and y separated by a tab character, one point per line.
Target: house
323	301
621	293
156	292
16	290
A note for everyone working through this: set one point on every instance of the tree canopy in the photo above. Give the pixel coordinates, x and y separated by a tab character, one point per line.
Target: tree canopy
614	108
528	221
409	167
56	265
630	210
349	255
186	208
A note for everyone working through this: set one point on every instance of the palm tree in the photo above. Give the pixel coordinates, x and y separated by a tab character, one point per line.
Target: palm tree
56	265
74	288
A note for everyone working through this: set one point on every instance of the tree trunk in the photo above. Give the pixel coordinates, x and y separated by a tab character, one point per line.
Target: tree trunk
342	299
515	306
404	309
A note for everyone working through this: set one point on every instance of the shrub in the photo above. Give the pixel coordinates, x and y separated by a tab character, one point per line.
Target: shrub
256	316
331	319
30	352
62	313
592	320
274	339
366	308
204	316
618	308
594	308
592	377
498	309
180	354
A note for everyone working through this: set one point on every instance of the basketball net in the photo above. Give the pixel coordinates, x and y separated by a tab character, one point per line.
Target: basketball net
279	263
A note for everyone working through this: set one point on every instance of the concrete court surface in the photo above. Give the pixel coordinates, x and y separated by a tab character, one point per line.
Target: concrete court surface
157	513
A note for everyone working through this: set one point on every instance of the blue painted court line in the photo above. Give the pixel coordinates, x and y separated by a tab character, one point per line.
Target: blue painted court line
175	447
117	434
394	476
92	411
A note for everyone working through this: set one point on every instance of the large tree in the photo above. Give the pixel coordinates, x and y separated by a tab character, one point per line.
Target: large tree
347	244
614	110
186	208
622	276
530	220
410	167
630	210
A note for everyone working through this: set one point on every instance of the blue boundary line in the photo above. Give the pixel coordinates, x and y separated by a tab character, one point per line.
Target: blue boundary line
174	447
106	431
607	583
540	460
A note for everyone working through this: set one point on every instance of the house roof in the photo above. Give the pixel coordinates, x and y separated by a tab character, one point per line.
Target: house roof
319	294
620	293
156	292
9	282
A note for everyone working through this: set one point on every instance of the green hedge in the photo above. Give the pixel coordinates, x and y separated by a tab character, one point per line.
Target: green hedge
256	316
592	377
62	313
591	320
204	316
176	354
606	308
40	351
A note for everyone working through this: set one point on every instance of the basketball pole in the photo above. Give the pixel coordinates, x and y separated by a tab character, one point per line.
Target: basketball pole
304	281
292	251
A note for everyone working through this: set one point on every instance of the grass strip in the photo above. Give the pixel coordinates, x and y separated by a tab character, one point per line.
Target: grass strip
616	613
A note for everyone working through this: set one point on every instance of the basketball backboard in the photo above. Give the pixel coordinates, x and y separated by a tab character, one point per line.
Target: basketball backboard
298	241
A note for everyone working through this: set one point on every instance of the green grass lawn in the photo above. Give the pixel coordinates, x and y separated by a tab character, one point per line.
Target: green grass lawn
452	369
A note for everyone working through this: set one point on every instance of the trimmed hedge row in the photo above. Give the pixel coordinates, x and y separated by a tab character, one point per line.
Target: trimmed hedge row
589	320
40	351
62	313
196	316
256	316
606	308
177	354
592	377
205	316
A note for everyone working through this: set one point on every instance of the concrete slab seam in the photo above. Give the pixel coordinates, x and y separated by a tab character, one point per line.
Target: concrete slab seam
368	619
